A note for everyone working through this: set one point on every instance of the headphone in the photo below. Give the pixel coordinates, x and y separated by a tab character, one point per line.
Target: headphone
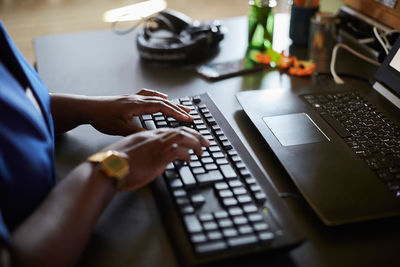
171	36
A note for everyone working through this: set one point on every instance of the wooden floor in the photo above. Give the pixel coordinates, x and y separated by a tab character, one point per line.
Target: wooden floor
25	19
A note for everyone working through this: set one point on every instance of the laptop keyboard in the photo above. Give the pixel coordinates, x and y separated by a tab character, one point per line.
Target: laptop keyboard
371	135
220	204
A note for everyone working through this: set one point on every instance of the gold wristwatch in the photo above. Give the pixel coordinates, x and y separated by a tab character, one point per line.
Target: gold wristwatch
113	164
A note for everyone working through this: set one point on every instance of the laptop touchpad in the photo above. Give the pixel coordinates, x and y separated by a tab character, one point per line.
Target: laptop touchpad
295	129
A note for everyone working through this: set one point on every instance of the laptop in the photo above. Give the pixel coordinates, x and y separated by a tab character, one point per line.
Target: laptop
340	144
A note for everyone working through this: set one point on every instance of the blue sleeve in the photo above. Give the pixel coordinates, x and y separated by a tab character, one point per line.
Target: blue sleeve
4	234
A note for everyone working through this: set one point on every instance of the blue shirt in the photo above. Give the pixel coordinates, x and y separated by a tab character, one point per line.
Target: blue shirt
26	139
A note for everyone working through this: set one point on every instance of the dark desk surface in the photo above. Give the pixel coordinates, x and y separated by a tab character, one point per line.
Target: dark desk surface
130	232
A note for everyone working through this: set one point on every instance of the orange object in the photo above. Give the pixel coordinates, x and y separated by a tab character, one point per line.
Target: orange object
284	62
263	58
296	67
302	68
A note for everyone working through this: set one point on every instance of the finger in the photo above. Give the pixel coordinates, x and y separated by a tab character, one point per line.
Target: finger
149	92
204	142
183	138
176	152
154	106
181	108
167	132
185	108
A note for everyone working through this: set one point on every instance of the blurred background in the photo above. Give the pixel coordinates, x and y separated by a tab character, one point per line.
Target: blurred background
25	19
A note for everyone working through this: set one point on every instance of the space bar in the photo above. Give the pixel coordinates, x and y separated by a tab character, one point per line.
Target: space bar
335	124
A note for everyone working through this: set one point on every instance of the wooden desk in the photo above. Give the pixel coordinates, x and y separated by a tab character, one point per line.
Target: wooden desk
130	232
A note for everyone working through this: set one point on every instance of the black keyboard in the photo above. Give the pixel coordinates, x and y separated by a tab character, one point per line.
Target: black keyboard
371	135
220	205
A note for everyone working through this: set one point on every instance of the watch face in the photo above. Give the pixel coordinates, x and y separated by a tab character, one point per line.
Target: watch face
115	163
116	166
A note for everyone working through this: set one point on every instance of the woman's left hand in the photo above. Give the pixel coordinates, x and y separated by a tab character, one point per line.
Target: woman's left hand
113	114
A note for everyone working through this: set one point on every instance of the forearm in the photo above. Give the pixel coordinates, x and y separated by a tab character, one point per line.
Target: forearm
70	111
57	232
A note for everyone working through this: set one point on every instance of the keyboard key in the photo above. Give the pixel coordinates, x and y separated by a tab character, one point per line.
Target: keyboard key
229	202
182	201
250	208
210	167
210	177
221	214
222	161
228	172
187	177
176	183
210	247
218	155
265	236
240	165
187	209
214	149
150	125
225	223
230	232
192	224
240	220
206	217
235	183
199	238
208	226
256	217
214	235
235	211
226	144
225	193
195	163
239	191
242	240
207	160
245	229
260	197
244	199
170	174
221	186
199	170
147	117
196	99
260	226
197	200
179	193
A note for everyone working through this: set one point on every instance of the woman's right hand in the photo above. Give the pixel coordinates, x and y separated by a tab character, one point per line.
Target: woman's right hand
149	152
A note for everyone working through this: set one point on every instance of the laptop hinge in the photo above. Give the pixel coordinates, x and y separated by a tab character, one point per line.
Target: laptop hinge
387	94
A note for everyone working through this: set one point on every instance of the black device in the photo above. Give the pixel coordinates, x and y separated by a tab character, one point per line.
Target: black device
219	206
340	144
221	70
172	36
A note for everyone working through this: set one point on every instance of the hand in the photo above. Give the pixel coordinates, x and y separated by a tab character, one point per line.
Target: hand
149	152
113	115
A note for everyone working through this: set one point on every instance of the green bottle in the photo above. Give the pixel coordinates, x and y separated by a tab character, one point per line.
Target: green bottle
261	24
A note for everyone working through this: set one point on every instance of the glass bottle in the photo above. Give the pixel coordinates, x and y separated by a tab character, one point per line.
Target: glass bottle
261	24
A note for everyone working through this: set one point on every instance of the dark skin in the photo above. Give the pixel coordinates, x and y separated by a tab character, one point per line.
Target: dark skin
51	235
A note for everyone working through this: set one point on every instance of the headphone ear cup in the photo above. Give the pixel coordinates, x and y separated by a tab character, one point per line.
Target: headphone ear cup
191	43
